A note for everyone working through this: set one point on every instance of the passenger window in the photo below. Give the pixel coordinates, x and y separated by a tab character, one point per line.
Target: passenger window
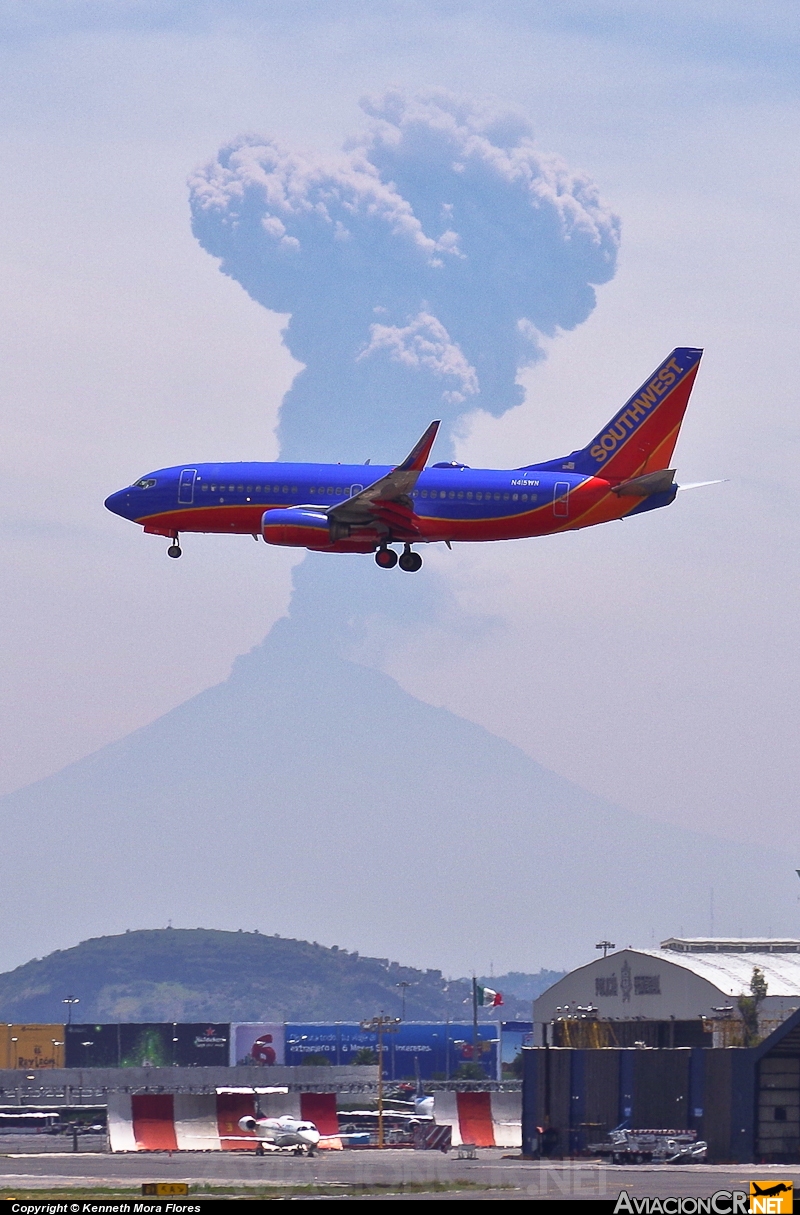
294	489
497	497
461	493
424	493
240	489
524	497
451	494
249	489
258	489
442	493
312	490
479	497
286	489
514	497
205	489
469	493
505	497
213	489
231	488
338	491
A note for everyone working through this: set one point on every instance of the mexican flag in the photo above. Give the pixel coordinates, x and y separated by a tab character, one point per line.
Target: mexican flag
488	998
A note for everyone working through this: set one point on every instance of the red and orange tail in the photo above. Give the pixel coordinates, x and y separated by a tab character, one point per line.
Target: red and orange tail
641	437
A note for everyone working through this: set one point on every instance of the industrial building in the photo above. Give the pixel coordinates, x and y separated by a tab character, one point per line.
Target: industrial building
594	1066
744	1102
689	987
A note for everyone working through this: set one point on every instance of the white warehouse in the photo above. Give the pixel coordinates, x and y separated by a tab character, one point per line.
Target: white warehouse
685	980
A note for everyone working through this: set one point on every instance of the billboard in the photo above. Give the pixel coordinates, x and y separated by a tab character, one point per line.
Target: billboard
91	1045
515	1035
257	1044
202	1044
437	1049
32	1046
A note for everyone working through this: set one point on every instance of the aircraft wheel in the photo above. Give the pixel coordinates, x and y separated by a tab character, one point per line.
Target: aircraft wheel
410	562
386	558
259	1149
174	550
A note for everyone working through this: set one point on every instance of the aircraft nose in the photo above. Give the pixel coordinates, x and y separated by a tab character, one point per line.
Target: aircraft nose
118	503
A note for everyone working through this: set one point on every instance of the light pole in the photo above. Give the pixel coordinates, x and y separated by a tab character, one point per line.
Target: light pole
86	1046
14	1052
403	985
380	1025
56	1045
70	1001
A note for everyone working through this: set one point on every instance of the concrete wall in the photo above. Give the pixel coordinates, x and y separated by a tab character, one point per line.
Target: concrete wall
16	1084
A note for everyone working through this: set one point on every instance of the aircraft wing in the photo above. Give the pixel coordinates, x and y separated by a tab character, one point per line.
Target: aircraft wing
387	500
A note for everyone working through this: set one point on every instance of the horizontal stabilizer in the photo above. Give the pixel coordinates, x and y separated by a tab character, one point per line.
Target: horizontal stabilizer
658	482
700	484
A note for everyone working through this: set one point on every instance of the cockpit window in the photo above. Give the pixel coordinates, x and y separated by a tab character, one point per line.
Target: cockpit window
144	483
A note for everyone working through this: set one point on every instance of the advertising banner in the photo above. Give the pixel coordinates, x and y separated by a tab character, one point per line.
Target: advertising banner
514	1035
204	1044
33	1046
438	1049
91	1045
257	1044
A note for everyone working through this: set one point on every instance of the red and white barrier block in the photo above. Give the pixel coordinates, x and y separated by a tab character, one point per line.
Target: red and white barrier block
209	1122
485	1119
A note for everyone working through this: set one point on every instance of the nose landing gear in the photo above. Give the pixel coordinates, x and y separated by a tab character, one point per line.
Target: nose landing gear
174	549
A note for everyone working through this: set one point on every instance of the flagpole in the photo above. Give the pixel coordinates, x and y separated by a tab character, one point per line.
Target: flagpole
475	1052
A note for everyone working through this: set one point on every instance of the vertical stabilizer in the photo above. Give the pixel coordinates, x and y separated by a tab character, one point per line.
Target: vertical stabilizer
641	437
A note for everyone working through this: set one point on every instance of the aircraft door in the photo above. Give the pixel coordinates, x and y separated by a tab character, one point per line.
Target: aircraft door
561	499
186	487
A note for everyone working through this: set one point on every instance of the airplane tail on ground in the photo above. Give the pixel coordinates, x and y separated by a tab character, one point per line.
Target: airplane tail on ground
641	437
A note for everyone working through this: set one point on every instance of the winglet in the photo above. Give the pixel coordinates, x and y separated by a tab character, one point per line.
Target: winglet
417	458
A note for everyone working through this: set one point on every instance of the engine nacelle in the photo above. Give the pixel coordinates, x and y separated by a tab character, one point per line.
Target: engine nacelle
296	528
247	1124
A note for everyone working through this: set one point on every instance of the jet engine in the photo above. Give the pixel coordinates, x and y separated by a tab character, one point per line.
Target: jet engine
296	527
247	1123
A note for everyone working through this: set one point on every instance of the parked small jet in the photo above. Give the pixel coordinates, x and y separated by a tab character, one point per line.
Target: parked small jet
284	1132
331	508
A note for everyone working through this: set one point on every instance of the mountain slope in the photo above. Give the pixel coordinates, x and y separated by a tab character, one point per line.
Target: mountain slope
313	797
199	974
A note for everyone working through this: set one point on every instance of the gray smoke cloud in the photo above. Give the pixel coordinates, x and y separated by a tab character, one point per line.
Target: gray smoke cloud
419	266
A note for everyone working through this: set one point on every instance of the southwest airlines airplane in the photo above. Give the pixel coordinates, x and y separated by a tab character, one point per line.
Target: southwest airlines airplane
623	471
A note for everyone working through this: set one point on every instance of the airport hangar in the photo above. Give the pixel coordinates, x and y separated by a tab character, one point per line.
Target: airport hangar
743	1100
683	987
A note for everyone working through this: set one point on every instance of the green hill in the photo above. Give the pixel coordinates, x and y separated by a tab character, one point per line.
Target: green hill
199	974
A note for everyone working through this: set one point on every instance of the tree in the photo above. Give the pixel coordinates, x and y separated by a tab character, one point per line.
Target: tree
749	1005
364	1056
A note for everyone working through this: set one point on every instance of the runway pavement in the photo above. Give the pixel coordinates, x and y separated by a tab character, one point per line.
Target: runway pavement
497	1176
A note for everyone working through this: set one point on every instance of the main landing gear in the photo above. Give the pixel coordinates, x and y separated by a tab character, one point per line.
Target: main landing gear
387	559
174	549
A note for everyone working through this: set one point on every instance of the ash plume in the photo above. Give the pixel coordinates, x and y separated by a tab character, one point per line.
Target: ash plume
419	266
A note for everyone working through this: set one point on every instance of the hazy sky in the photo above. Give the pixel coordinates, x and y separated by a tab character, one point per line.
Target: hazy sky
655	663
